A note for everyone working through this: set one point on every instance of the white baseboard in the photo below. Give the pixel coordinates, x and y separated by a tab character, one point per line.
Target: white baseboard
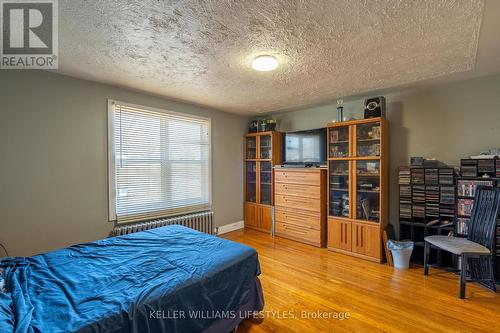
230	227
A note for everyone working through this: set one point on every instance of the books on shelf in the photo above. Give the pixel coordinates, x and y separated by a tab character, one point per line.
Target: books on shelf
427	193
464	207
432	194
463	226
405	191
467	188
418	193
468	168
417	176
418	210
431	209
339	205
446	176
486	167
339	182
447	195
405	210
447	211
431	176
404	177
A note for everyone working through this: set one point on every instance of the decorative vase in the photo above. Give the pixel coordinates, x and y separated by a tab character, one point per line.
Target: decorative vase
340	110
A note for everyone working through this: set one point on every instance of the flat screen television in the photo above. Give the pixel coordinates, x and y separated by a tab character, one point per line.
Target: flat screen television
305	147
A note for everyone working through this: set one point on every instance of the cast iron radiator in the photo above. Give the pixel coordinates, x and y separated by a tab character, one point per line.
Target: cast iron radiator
199	221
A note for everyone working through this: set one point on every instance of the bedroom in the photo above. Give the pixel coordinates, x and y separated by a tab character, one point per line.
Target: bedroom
143	111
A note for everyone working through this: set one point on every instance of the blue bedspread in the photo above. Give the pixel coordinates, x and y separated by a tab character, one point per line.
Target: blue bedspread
170	279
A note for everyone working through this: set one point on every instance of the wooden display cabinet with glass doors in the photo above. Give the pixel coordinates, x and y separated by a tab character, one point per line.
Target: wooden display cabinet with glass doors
358	187
262	152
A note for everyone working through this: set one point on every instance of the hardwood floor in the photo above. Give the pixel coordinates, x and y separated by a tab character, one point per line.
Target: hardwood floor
298	277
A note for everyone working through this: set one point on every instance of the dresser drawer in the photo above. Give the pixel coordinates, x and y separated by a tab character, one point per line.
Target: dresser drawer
300	233
309	204
298	189
300	218
306	178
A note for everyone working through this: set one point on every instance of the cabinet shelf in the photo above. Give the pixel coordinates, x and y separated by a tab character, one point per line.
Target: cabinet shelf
354	158
258	159
368	139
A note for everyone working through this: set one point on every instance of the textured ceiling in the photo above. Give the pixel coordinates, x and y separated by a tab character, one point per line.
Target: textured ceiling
201	51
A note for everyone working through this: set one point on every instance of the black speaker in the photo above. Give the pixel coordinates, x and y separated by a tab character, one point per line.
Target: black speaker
375	107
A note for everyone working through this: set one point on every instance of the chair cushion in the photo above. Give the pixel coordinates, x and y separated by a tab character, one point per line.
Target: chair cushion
457	245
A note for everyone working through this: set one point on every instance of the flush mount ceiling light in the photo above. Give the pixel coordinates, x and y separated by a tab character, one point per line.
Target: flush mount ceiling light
265	63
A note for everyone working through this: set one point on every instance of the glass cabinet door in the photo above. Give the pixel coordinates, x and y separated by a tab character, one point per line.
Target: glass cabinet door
251	147
338	138
265	183
368	190
339	188
251	181
368	139
265	147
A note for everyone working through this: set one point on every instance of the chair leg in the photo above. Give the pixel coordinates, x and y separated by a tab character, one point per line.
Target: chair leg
426	258
463	276
492	275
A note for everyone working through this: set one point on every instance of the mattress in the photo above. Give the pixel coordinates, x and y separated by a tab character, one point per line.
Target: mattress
170	279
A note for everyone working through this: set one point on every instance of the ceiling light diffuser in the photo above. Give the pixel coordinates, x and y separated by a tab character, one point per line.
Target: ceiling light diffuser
265	63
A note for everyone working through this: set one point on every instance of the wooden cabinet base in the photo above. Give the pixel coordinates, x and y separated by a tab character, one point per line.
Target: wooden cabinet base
352	237
258	217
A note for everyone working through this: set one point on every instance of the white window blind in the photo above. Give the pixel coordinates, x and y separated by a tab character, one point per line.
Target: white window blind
159	163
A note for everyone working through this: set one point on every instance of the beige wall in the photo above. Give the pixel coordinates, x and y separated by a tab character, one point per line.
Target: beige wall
447	122
53	159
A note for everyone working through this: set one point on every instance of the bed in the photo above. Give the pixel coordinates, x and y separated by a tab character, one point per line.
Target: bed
170	279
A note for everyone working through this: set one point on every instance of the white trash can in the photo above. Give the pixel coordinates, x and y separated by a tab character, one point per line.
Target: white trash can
401	253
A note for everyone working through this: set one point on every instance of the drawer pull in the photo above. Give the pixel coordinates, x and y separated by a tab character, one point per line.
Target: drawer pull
287	227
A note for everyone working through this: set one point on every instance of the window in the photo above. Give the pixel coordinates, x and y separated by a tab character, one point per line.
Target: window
159	163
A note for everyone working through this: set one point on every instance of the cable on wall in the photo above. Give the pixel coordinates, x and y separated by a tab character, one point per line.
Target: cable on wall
5	250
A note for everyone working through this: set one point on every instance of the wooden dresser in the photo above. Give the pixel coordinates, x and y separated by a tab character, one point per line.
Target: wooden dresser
300	204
